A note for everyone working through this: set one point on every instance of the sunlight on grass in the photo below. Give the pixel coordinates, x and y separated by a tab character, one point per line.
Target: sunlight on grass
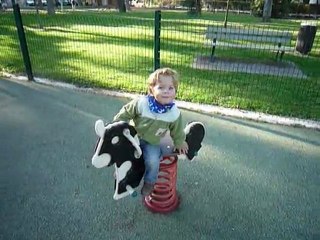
115	51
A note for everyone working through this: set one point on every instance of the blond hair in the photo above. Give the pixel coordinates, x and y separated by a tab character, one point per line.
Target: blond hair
154	78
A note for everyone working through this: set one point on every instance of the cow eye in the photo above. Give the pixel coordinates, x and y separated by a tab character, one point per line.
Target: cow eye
115	140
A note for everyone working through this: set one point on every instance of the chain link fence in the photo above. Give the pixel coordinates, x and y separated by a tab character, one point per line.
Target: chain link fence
248	65
10	55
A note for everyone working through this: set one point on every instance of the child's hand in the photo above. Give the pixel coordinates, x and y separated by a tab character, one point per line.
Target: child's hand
183	149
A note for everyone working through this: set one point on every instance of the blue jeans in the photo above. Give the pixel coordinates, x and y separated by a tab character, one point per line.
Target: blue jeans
152	155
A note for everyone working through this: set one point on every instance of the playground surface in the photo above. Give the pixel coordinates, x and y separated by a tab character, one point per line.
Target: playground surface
251	180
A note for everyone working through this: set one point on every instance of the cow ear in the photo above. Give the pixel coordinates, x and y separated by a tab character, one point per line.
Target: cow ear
99	127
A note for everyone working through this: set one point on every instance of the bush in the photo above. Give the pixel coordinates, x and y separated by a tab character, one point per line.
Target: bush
299	8
257	7
280	8
240	5
194	6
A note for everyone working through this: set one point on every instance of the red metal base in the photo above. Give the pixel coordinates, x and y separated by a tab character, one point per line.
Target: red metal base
164	197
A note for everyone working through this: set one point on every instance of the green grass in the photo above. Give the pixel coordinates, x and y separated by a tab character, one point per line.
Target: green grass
115	51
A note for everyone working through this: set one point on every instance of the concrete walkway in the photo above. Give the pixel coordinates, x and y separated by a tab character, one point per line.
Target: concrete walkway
284	69
251	181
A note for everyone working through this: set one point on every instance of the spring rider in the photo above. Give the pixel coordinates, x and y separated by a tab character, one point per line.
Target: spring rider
118	144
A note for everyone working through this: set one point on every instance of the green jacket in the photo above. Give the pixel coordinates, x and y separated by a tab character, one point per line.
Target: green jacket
152	126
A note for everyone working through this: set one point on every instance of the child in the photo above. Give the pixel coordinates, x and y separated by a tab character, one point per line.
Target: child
153	115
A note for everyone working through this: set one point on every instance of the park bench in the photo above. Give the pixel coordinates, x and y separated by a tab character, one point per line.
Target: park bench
239	37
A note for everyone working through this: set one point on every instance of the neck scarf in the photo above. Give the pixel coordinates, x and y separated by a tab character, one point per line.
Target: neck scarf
157	107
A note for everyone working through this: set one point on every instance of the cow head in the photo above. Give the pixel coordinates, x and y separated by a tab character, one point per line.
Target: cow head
118	144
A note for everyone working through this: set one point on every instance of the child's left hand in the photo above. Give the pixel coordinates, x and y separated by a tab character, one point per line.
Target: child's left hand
183	149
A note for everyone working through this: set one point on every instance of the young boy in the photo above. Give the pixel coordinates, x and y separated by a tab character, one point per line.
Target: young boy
153	115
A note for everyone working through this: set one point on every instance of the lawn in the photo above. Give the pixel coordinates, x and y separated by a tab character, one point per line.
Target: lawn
115	51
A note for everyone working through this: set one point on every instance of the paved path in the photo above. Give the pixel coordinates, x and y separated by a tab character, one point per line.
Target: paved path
281	69
252	181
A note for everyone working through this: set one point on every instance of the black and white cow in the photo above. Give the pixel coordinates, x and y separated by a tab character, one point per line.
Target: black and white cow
118	144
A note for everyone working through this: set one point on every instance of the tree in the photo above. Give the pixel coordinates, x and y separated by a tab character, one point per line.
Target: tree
122	6
37	11
314	6
127	2
226	15
38	4
267	8
194	6
50	7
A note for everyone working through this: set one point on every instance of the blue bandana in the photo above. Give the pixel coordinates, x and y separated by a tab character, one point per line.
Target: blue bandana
157	107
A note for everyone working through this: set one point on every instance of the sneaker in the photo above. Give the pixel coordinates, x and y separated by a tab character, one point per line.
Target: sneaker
147	189
194	135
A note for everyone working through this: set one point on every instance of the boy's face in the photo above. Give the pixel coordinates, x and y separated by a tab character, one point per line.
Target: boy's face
164	91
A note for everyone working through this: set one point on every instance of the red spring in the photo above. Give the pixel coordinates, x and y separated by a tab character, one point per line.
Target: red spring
164	197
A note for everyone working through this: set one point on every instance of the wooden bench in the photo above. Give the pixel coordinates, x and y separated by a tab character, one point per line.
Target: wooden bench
239	37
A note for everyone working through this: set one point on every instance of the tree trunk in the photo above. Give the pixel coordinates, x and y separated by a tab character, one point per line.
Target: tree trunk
198	7
50	7
267	11
38	16
122	6
39	4
128	5
226	15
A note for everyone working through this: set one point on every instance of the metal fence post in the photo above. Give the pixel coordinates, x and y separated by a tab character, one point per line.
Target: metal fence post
23	41
157	25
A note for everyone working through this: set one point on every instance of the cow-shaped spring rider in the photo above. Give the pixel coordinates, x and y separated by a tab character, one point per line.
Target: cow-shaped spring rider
118	143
